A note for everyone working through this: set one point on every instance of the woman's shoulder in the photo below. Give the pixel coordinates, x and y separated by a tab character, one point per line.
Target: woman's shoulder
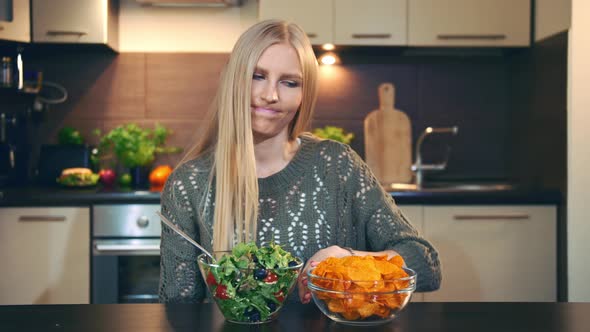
325	146
335	157
193	171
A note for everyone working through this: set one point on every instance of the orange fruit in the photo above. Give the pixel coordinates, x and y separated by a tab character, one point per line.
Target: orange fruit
158	177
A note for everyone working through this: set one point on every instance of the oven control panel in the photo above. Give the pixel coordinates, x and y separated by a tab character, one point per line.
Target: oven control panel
128	220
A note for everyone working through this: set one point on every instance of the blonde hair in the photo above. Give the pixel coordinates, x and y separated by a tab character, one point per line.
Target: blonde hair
229	133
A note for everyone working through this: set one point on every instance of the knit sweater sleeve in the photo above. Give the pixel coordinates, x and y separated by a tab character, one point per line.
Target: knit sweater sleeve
385	225
180	279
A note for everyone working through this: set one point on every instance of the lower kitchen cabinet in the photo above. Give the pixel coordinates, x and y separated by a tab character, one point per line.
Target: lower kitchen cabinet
414	213
494	253
45	255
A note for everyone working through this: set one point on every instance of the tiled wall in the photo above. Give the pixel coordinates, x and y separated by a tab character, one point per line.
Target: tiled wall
108	89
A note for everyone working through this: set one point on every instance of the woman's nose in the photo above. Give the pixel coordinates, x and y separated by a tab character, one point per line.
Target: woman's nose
270	94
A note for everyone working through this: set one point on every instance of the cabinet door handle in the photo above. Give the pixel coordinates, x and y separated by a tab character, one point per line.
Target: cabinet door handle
312	35
66	33
371	35
471	37
503	216
41	218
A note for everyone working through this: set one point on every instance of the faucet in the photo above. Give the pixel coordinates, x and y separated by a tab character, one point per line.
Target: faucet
418	167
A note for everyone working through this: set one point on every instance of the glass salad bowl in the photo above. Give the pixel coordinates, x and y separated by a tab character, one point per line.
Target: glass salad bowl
250	285
361	302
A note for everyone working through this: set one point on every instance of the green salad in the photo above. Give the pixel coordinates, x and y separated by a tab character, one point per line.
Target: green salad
251	283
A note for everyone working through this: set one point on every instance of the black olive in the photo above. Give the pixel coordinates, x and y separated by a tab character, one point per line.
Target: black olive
271	306
292	263
260	274
252	314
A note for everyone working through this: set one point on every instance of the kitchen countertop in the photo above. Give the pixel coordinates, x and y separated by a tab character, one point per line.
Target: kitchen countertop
456	317
59	196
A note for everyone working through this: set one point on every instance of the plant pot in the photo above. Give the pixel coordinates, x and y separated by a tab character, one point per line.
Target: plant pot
140	177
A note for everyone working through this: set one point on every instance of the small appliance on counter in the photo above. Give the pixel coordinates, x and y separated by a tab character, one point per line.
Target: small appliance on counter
53	158
13	150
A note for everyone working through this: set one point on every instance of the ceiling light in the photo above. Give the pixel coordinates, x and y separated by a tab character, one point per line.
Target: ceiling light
328	59
328	47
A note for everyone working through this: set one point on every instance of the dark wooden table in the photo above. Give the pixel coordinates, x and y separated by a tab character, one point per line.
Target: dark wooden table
456	317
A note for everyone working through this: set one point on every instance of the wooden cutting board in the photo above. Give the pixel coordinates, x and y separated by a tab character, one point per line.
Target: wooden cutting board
388	140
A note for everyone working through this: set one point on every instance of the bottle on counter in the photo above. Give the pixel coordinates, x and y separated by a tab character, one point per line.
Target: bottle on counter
6	73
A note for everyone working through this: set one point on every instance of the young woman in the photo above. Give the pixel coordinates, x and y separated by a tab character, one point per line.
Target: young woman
256	175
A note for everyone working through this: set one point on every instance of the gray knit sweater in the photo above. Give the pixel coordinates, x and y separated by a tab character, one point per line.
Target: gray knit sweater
325	196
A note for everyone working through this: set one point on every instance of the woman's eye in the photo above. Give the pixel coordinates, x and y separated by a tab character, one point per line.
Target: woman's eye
291	84
257	77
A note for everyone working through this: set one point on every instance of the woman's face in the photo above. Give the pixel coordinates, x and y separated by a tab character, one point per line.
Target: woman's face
276	91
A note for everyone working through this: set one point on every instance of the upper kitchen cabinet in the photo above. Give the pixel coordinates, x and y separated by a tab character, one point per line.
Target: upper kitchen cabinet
370	22
552	17
343	22
500	23
76	21
15	24
315	17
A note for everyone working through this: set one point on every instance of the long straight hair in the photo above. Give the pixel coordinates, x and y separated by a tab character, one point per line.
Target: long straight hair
229	133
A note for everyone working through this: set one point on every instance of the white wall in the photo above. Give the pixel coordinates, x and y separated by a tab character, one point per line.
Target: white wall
551	17
578	209
157	29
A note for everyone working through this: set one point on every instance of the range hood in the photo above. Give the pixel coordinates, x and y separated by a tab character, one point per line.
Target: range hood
190	3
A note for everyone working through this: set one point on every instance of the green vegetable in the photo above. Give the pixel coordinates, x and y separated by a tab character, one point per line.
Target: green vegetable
251	283
134	146
69	136
334	133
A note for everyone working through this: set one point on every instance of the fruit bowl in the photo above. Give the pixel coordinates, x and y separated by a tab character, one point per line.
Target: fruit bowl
361	302
245	288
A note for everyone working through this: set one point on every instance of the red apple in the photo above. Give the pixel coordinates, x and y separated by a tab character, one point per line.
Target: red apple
107	177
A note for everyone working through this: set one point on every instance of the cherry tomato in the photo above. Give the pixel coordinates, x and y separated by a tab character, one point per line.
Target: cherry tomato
211	279
280	296
271	278
221	292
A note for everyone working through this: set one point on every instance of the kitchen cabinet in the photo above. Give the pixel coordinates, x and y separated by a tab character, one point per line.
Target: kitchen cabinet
414	213
499	23
469	22
19	28
494	253
343	22
315	17
45	255
76	21
552	17
370	22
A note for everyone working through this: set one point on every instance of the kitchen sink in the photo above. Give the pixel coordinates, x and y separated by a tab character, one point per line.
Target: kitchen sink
449	187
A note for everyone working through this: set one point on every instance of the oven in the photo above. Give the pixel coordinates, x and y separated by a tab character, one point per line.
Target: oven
125	253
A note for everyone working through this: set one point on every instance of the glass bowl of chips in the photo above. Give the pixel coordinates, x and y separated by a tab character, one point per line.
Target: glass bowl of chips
250	284
361	290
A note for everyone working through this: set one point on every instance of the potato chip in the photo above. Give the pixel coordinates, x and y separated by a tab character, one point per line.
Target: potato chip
336	306
397	260
368	309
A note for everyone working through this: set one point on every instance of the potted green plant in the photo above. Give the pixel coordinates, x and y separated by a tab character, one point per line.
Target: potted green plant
135	148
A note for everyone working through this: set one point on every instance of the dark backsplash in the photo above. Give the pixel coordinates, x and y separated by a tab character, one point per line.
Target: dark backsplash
477	93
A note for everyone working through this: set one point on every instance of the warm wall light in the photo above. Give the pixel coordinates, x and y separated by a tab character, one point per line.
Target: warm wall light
328	47
329	59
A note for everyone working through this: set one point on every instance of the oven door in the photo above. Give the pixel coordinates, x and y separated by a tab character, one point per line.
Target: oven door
125	270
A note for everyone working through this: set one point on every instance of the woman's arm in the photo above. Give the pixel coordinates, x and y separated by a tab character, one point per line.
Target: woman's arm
180	279
386	229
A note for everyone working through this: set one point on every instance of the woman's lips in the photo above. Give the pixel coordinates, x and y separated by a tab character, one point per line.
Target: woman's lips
265	110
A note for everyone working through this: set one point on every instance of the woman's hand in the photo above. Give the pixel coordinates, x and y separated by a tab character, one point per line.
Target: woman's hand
332	251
